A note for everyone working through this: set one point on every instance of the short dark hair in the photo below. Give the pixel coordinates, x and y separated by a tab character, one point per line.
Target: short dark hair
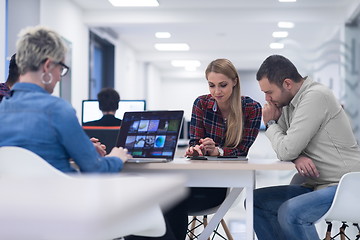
14	74
277	68
108	99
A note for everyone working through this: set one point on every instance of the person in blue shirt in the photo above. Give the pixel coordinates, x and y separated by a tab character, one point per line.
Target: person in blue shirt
47	125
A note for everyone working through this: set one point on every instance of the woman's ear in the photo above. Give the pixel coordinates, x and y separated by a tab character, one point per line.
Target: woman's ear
46	65
236	80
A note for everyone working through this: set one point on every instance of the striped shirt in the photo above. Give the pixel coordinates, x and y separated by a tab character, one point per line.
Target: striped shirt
205	122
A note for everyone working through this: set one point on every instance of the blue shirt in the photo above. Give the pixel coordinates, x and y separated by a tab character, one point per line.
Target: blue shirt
47	125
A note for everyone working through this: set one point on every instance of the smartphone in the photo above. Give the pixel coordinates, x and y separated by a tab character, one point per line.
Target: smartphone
198	158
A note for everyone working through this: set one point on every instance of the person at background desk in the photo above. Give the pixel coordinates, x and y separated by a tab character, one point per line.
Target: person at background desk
305	125
45	124
108	104
12	78
223	123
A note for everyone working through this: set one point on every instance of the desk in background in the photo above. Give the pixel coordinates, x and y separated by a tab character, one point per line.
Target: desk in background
231	174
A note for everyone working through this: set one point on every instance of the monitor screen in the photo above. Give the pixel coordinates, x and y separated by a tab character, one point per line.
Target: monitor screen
91	111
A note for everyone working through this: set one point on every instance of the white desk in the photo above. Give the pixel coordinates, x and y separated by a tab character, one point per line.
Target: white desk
89	207
233	174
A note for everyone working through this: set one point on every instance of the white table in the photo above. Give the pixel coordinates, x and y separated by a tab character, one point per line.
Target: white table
231	174
91	207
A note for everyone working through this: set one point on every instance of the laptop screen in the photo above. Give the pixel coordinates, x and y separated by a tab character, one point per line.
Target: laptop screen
150	134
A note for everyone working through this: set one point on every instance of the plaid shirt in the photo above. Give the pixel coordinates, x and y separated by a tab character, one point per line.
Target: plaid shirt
205	122
4	91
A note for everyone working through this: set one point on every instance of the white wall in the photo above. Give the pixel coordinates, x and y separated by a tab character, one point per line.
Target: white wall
66	18
176	93
129	73
180	94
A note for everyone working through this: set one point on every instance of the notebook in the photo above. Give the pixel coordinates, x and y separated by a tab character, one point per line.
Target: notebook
150	136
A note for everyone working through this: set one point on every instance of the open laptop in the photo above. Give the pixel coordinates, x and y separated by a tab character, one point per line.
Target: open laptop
150	136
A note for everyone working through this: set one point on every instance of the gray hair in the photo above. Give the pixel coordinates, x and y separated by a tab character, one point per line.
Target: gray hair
35	45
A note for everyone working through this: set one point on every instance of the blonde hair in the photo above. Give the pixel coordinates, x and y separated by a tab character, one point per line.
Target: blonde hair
35	45
235	118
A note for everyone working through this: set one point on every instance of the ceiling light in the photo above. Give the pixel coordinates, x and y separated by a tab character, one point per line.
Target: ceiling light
162	35
184	63
286	24
280	34
134	3
287	0
276	45
172	47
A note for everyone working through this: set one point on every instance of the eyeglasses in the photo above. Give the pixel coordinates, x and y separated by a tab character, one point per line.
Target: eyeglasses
64	69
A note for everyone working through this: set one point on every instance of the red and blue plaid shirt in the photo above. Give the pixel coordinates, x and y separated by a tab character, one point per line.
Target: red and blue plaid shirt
205	122
4	91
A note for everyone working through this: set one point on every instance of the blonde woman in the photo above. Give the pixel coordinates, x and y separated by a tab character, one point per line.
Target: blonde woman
45	124
223	123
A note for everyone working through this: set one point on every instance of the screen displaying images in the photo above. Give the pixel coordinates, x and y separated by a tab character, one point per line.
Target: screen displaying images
151	134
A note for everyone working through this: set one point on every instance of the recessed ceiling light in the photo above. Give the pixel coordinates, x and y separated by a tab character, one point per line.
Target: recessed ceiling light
286	24
276	45
282	34
162	35
172	47
134	3
287	0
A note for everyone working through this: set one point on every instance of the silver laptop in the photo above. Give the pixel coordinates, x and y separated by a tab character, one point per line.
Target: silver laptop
150	136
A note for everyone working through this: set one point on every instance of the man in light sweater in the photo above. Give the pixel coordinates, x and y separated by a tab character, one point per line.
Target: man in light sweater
306	125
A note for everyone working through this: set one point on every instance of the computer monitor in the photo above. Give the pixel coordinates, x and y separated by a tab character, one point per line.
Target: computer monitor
91	111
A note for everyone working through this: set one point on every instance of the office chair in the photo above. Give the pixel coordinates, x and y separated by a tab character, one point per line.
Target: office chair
27	213
20	162
196	223
106	135
345	206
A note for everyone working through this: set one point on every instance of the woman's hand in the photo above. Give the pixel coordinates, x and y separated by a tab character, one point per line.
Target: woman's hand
100	148
194	151
120	152
208	147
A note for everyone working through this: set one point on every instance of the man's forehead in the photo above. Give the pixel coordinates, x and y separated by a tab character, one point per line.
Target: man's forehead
265	84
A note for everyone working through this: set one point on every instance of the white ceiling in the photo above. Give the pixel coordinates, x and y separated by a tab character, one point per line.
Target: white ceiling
240	30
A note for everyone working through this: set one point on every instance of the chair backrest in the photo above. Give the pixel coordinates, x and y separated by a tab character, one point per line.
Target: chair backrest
214	209
17	161
106	135
345	206
297	179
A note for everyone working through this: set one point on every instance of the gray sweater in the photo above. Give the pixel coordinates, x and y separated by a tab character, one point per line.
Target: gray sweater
315	125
